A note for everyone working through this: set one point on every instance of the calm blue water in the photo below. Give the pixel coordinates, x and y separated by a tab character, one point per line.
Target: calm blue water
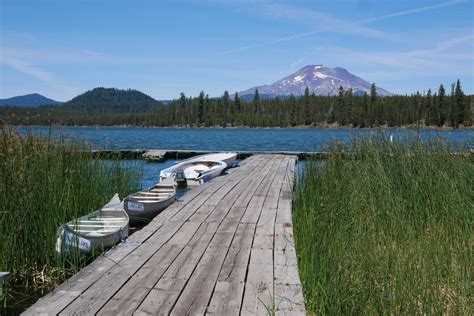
220	139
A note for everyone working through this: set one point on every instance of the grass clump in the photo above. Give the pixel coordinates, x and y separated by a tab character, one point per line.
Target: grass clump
387	229
46	183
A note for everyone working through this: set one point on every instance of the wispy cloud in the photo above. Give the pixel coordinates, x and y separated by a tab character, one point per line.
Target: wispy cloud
328	23
27	68
20	62
413	11
447	58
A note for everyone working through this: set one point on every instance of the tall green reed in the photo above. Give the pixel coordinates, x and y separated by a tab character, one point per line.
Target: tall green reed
387	228
44	184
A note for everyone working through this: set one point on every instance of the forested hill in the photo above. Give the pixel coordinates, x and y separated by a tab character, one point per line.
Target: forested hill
112	100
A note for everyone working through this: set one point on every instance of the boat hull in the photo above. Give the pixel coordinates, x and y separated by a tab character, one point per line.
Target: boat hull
141	210
96	231
227	157
195	172
88	244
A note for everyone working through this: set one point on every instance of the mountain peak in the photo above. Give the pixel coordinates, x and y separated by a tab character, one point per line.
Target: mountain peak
319	79
28	100
311	67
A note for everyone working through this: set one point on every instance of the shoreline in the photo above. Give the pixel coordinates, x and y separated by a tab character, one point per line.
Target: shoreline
317	127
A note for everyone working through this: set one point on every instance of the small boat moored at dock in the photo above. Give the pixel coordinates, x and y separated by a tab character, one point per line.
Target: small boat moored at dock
193	172
98	230
227	157
144	205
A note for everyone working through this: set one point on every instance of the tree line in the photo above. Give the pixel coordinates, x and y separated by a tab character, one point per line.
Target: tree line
439	108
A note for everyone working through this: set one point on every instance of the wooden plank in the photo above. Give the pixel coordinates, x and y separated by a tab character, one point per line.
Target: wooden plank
258	296
137	287
259	287
165	293
289	298
228	292
229	289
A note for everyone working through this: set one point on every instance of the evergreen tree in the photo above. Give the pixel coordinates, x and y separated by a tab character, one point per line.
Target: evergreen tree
237	108
373	107
182	109
429	109
339	109
442	106
459	108
306	107
452	107
256	102
200	108
365	111
228	109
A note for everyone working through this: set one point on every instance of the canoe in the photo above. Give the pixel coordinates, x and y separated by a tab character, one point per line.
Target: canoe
227	157
98	230
193	172
4	276
144	205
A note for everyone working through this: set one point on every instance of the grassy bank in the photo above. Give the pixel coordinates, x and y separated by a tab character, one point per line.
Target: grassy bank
46	183
387	230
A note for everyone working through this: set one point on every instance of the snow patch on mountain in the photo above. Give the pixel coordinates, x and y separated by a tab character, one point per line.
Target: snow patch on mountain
298	79
319	75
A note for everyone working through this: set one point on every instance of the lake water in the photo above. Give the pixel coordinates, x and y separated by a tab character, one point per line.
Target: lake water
241	139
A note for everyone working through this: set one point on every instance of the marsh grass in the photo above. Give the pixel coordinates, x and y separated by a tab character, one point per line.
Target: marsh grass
387	229
44	184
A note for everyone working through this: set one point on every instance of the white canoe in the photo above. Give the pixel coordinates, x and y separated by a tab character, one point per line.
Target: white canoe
98	230
194	172
227	157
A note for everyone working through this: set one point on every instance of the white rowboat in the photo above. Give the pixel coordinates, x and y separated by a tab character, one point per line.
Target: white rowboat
227	157
98	230
194	172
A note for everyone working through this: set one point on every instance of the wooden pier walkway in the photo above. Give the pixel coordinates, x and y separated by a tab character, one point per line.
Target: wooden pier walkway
226	248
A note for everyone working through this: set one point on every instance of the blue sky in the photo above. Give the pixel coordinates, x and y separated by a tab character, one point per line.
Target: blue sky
61	48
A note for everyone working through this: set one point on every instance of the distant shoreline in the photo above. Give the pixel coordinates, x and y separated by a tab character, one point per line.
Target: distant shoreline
316	127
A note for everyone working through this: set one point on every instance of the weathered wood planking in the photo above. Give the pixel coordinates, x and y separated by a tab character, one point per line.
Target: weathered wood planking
226	248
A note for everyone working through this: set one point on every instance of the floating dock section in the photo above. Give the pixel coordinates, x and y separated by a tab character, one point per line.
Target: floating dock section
225	248
164	154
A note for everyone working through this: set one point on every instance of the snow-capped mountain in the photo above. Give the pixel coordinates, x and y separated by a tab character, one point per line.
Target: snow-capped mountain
319	79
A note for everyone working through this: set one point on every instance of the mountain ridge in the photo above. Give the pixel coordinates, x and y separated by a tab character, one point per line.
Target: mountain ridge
319	79
31	100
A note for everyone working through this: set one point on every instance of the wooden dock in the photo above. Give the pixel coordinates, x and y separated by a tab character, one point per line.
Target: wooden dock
226	248
164	154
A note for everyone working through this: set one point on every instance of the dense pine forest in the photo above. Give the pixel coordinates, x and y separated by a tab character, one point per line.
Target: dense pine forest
108	107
